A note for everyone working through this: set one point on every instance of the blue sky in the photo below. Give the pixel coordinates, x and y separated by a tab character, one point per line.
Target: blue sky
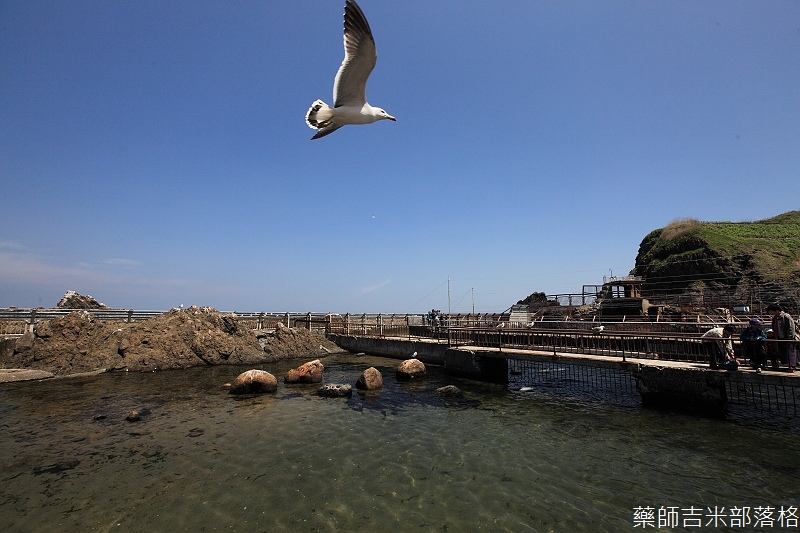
155	153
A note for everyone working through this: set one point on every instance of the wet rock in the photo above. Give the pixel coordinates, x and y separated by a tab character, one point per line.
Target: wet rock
449	390
338	390
310	372
410	369
370	379
254	382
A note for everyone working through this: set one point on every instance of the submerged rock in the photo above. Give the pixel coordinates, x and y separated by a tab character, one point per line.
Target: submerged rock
338	390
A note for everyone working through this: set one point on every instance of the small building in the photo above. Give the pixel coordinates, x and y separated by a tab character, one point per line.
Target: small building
622	297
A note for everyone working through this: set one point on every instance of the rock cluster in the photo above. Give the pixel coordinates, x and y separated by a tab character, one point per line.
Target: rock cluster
257	381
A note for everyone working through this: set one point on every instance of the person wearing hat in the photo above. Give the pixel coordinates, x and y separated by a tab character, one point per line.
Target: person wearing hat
784	328
755	349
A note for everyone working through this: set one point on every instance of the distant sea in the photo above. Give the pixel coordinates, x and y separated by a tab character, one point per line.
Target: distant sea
403	459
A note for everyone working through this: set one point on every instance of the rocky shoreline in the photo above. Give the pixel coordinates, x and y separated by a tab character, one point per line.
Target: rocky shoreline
182	338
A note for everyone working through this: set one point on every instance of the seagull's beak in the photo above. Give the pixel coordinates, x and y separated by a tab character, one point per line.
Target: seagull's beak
390	117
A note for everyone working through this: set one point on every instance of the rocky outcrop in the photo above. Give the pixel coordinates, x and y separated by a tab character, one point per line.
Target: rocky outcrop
410	369
370	379
294	343
310	372
181	338
723	264
254	382
75	300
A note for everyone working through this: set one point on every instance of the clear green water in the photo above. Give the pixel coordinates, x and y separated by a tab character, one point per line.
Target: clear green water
404	459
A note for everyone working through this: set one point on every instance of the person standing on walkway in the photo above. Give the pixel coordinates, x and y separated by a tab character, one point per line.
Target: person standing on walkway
717	342
755	350
784	327
772	350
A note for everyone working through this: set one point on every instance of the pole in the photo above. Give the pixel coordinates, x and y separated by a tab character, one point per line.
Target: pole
448	297
448	311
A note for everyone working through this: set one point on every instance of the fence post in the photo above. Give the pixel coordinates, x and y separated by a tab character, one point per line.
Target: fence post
33	319
347	323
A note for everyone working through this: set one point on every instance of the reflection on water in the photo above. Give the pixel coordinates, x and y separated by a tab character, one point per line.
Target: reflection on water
403	459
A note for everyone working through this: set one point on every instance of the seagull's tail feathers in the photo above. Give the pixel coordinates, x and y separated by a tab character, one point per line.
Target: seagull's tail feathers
319	115
319	118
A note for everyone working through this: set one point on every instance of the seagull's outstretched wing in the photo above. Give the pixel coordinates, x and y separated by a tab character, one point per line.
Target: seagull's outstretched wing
350	85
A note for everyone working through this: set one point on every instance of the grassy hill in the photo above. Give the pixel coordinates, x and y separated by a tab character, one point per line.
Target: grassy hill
742	259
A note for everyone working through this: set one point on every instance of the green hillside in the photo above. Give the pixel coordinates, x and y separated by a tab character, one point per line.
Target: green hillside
735	257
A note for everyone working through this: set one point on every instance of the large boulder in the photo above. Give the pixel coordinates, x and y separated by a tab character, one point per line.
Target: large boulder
253	382
370	379
310	372
410	369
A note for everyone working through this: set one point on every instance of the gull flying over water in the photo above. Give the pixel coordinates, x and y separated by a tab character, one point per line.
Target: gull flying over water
350	85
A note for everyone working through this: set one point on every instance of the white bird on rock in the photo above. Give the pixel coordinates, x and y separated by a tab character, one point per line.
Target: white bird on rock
350	85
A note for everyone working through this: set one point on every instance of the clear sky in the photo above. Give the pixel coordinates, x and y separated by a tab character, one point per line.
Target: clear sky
155	153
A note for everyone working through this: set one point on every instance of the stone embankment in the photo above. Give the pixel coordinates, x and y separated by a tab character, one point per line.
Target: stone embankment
197	336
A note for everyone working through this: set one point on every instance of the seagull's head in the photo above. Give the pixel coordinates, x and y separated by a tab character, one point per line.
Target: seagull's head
381	114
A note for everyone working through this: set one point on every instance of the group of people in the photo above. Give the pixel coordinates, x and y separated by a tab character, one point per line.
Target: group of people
756	348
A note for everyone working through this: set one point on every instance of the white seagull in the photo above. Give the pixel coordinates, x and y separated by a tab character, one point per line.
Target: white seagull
350	85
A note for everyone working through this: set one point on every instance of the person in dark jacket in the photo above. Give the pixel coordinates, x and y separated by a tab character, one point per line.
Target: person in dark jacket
755	349
784	327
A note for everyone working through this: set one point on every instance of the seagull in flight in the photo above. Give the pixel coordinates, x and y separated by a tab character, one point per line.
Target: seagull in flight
350	85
